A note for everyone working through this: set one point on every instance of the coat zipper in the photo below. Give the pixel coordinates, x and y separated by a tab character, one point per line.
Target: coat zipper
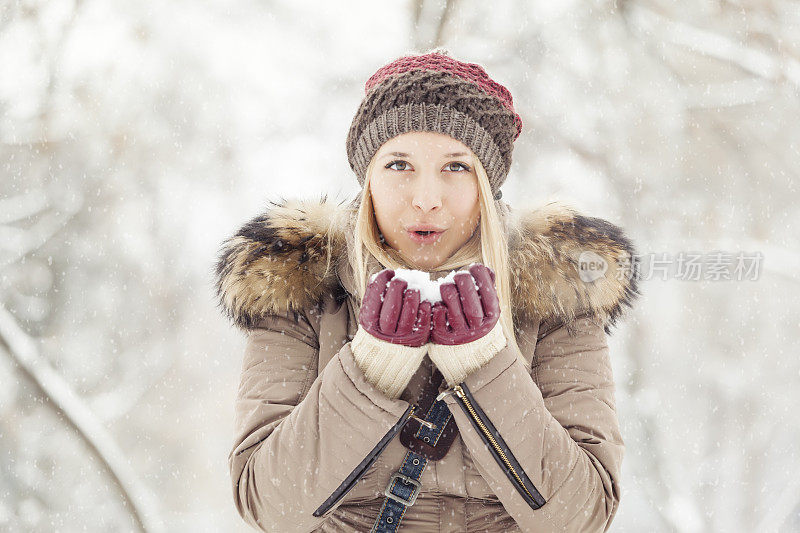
357	473
498	447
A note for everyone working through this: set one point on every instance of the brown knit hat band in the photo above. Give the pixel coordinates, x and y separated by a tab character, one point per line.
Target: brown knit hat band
434	92
429	117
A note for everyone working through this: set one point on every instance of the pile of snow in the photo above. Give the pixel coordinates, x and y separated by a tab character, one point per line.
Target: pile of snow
428	288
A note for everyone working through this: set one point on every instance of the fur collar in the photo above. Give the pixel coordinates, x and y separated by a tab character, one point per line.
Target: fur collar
287	258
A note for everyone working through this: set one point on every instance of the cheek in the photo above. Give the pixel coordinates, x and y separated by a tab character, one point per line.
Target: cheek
378	191
465	206
465	189
467	221
385	205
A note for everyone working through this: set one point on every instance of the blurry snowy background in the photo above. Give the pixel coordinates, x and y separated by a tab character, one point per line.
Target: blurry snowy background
135	136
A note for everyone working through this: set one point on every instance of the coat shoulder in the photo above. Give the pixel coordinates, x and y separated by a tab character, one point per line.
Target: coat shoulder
567	264
281	261
564	264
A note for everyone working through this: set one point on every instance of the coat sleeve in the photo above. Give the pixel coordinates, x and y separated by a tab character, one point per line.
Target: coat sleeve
561	428
300	434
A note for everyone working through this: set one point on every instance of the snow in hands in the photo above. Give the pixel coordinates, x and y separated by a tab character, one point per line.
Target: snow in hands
428	288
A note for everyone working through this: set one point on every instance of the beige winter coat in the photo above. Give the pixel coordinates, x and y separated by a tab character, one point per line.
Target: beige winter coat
316	442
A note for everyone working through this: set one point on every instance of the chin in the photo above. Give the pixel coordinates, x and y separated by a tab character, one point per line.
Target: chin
424	259
425	263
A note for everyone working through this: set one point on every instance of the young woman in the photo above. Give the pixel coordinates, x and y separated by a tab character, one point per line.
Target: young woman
363	406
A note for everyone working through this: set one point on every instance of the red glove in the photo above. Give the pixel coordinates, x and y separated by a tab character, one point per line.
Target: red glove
471	313
395	314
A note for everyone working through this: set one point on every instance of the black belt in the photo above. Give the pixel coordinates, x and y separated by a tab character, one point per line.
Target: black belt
427	439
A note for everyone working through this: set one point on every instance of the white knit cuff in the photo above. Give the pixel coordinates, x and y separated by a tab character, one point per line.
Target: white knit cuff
386	365
456	362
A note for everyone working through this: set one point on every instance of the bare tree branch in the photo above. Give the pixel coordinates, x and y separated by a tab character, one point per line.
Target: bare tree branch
21	243
728	94
714	45
429	33
416	18
449	8
22	206
23	351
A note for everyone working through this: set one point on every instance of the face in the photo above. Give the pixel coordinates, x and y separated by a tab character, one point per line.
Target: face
425	180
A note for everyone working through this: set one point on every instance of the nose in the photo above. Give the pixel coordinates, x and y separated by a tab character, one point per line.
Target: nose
425	193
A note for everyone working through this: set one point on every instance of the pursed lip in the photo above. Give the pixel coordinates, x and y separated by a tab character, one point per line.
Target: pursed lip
425	227
427	238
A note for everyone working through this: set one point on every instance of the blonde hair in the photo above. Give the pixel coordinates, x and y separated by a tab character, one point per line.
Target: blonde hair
488	245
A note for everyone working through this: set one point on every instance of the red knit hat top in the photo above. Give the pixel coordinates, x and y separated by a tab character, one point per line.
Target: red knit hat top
471	72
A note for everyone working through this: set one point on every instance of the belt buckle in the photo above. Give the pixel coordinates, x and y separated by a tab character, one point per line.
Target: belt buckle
408	481
409	439
429	425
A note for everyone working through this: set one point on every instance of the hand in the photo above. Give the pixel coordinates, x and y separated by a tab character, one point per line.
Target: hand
395	314
471	313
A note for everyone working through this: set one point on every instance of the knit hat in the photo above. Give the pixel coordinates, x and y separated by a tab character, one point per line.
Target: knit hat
435	92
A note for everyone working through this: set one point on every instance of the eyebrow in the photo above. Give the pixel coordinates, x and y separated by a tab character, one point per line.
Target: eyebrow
403	154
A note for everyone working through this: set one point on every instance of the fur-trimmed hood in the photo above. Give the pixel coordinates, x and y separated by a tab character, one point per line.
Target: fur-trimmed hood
288	257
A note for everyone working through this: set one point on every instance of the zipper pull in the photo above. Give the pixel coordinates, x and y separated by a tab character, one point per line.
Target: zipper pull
443	394
456	389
